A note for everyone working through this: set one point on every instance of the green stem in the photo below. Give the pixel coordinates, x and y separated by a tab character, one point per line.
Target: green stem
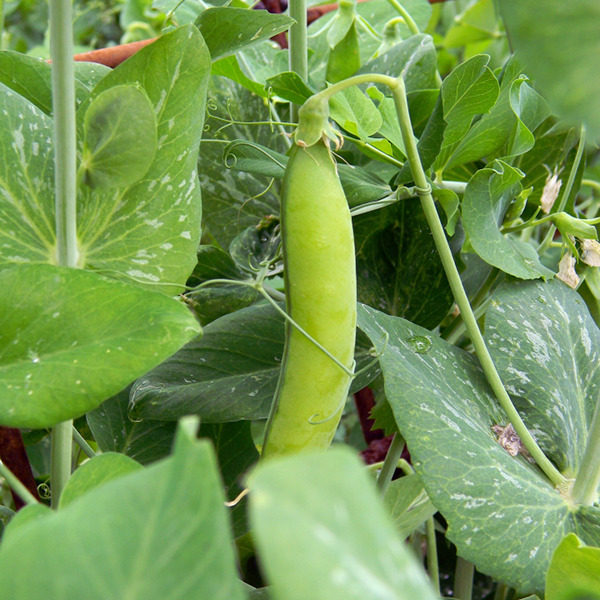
61	452
298	44
63	107
414	29
1	24
410	23
463	579
16	485
456	329
595	185
432	555
389	464
566	192
585	489
89	451
458	290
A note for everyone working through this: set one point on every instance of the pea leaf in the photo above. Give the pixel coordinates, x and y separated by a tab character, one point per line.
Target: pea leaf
344	57
415	59
227	29
574	571
145	441
408	504
214	301
95	472
559	46
471	89
502	513
398	268
356	113
78	339
364	560
233	202
505	130
487	196
119	140
230	374
161	532
17	68
207	379
289	86
148	231
538	333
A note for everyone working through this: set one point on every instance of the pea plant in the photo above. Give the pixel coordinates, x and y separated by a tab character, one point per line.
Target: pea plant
210	253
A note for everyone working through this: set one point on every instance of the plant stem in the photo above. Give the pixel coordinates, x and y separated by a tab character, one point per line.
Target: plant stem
463	579
389	464
298	44
89	451
63	106
585	489
410	23
1	24
595	185
458	290
566	192
15	483
432	556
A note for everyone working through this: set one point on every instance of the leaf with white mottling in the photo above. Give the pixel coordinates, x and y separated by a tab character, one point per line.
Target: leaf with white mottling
148	231
545	342
502	513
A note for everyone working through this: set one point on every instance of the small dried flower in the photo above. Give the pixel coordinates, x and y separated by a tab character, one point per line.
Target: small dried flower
566	271
507	437
550	193
591	252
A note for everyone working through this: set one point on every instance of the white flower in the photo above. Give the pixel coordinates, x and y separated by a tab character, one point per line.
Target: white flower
591	252
550	193
566	271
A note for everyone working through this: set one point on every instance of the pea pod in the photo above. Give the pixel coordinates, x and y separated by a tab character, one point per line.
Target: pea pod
320	281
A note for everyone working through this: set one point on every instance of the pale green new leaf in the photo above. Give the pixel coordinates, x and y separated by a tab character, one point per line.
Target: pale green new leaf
161	532
574	572
95	472
119	141
322	533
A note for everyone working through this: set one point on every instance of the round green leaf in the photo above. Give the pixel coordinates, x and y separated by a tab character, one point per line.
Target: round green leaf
119	137
95	472
77	339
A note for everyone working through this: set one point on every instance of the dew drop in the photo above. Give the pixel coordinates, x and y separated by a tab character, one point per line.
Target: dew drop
420	344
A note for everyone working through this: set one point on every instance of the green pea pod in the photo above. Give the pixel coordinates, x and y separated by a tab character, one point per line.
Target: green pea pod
320	281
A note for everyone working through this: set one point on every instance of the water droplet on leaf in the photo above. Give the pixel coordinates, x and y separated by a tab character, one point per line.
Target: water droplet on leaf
420	344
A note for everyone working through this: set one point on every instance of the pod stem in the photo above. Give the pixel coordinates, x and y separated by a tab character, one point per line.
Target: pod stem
65	169
460	296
